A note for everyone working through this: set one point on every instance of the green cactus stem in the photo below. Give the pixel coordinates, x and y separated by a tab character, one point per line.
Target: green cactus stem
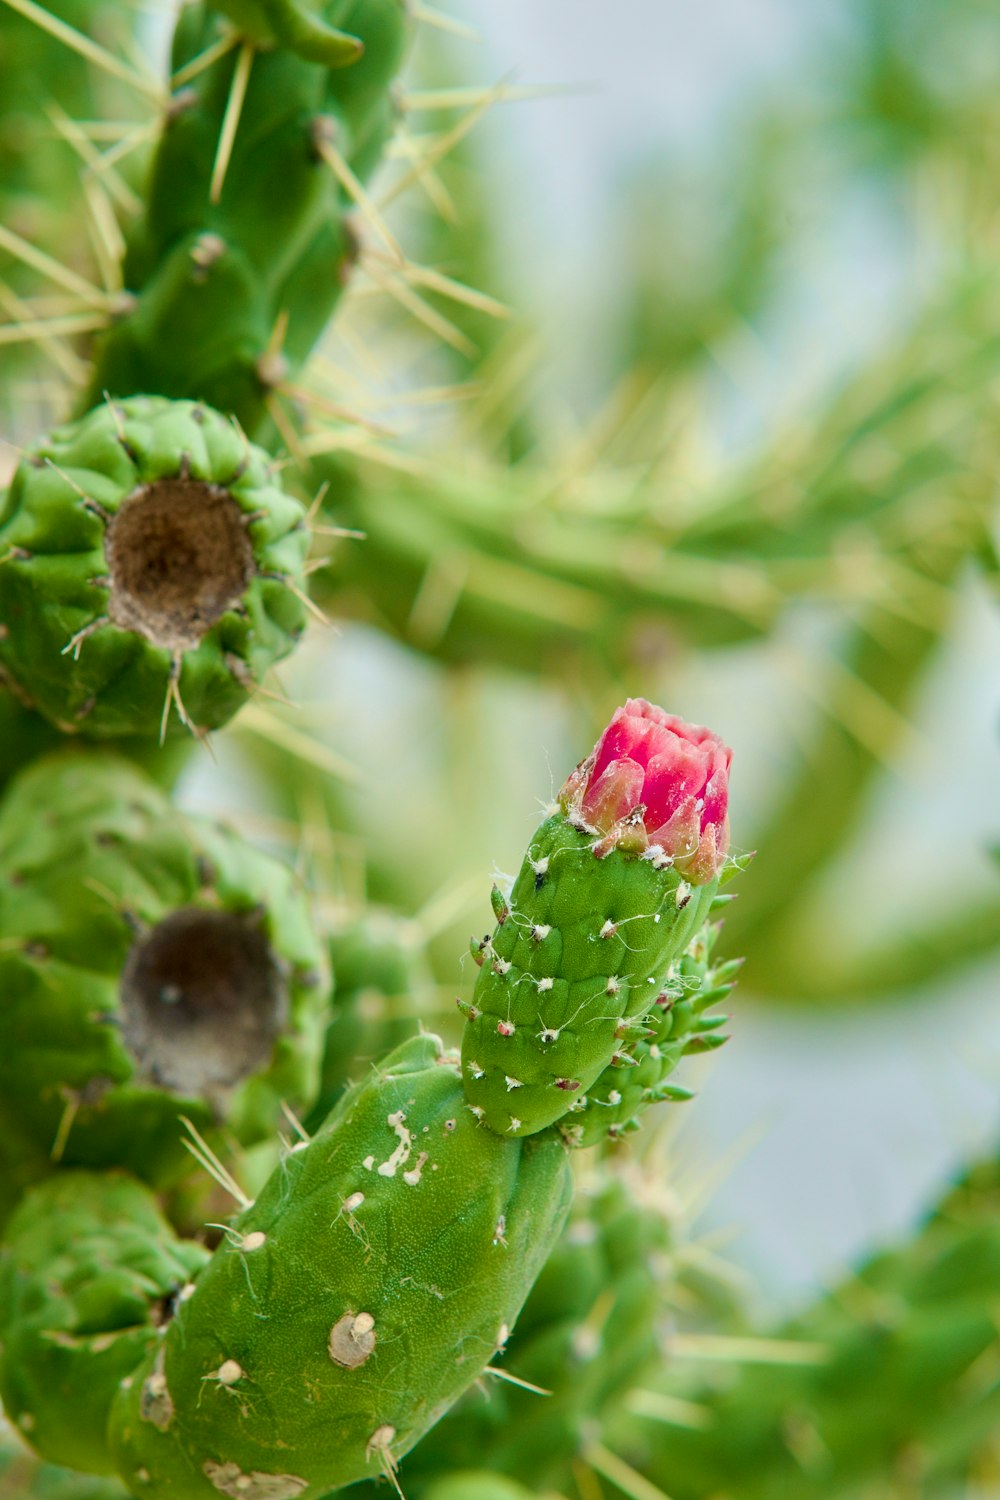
589	1329
246	244
90	1274
151	966
25	1477
615	885
151	571
370	1284
905	1400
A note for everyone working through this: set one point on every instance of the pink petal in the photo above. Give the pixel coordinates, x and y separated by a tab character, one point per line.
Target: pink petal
615	793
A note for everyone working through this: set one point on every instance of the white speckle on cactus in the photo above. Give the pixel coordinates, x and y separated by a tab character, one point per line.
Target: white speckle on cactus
401	1155
614	1097
512	1083
500	1232
514	1126
412	1177
354	1201
368	1163
613	985
228	1373
682	895
540	932
657	856
450	1124
352	1340
502	1337
476	1109
545	984
156	1404
548	1034
540	866
475	1070
379	1443
506	1028
609	929
251	1241
229	1479
501	966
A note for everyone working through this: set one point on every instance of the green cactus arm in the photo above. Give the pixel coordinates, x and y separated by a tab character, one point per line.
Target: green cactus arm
152	965
369	1285
89	1272
151	570
288	24
25	1477
233	274
533	570
905	1388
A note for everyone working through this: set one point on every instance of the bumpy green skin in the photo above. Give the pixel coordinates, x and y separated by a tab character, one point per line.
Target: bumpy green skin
441	1252
678	1022
212	280
24	735
588	1330
907	1401
381	980
602	986
55	581
88	1275
92	857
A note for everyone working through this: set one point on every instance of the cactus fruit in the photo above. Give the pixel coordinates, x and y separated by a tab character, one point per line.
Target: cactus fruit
148	563
615	884
89	1275
234	275
151	966
369	1285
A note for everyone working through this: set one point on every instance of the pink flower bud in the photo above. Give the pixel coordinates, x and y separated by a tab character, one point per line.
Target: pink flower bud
653	781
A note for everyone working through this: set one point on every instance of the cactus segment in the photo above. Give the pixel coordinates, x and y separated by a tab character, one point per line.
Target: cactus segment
570	974
287	24
233	275
151	571
25	1477
587	1332
151	966
678	1022
615	884
90	1274
370	1284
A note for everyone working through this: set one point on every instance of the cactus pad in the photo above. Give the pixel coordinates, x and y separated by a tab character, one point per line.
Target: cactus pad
151	966
376	1275
151	571
89	1276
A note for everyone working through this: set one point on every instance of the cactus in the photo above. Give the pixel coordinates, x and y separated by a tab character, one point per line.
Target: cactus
371	1282
176	967
902	1391
615	884
588	1331
150	571
90	1274
243	252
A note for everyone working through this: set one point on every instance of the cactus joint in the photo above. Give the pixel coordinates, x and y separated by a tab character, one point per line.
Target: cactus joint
203	1000
179	557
